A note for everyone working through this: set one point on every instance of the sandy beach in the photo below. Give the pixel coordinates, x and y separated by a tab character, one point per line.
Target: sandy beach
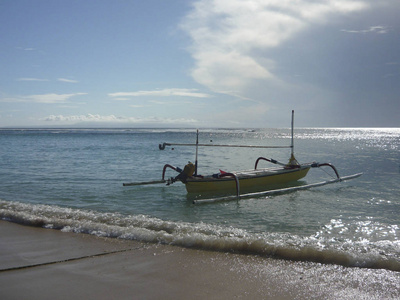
39	263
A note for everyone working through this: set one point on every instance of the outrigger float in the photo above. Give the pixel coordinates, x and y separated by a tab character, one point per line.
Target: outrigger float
232	182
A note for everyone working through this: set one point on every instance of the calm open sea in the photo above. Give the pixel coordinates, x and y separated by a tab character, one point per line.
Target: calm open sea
71	179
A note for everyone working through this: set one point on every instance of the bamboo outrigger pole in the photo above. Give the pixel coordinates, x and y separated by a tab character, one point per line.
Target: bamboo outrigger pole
162	146
277	191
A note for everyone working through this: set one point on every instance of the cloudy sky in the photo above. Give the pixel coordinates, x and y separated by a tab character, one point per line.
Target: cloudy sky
205	63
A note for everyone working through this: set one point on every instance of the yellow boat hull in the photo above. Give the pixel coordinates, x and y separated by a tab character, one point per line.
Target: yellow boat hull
247	180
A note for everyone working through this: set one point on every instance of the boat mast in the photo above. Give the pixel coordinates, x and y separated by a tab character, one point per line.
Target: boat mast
197	150
163	145
292	144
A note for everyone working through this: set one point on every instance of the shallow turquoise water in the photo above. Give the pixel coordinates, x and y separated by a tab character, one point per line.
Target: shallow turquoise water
71	179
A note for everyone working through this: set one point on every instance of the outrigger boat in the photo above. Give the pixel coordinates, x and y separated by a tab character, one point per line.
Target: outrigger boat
231	182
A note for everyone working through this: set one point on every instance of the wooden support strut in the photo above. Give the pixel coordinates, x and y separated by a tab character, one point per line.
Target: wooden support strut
317	165
269	160
236	180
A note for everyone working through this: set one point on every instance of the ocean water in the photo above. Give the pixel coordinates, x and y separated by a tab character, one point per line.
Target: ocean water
71	180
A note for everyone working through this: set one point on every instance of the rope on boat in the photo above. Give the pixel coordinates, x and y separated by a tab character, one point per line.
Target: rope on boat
277	191
162	146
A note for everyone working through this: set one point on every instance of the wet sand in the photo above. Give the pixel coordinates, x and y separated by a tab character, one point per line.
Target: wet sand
37	263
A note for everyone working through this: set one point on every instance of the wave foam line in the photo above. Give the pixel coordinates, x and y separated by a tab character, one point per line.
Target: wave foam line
200	235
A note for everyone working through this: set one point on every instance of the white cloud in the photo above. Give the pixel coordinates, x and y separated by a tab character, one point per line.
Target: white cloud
52	98
67	80
114	119
161	93
227	72
44	98
81	118
371	29
180	102
26	49
39	79
31	79
230	37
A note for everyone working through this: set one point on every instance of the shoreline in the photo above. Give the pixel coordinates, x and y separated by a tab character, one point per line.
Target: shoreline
39	263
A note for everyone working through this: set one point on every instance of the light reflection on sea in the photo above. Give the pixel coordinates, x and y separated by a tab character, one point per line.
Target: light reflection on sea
79	174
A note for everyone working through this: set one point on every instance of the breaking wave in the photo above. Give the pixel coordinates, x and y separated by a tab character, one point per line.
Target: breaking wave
317	248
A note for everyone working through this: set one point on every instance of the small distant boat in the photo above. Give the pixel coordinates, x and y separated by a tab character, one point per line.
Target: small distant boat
264	179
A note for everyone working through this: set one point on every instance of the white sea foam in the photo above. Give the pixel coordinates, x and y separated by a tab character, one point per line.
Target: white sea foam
318	248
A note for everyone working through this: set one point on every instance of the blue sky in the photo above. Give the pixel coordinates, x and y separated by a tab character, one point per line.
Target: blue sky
206	63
